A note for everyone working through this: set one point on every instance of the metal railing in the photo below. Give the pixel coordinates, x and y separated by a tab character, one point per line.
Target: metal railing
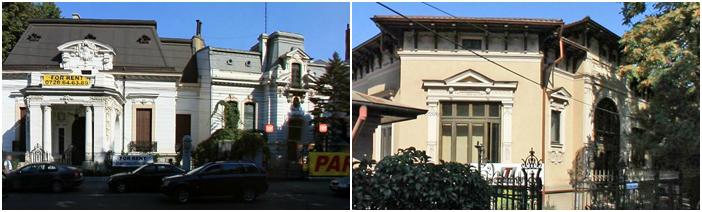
143	146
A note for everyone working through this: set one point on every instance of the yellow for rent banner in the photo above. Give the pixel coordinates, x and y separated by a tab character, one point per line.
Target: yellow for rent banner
65	80
329	163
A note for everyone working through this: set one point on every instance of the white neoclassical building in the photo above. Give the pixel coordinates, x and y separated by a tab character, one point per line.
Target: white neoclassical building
80	89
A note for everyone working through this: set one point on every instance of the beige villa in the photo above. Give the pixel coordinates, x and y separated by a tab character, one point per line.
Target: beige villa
556	93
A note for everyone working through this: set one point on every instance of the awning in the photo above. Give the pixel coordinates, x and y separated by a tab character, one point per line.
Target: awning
388	110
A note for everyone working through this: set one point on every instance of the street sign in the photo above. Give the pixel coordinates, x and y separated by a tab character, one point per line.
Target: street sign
329	164
269	128
632	185
323	128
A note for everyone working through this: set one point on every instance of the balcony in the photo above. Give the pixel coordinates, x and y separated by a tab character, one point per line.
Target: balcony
143	146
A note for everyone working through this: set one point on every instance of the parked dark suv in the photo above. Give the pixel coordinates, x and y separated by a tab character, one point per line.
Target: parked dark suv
44	175
223	178
145	178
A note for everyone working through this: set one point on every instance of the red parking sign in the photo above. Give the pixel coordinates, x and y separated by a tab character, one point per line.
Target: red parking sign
269	128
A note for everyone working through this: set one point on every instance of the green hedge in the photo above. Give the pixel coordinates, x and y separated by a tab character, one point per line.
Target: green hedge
408	181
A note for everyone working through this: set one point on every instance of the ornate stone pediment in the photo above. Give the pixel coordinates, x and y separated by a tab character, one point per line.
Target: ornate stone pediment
80	55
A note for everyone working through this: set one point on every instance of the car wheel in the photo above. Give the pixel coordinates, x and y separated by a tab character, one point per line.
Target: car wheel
57	186
16	186
248	195
121	187
182	195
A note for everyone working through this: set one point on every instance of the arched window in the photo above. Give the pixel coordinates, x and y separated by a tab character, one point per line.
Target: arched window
250	115
296	76
606	135
235	106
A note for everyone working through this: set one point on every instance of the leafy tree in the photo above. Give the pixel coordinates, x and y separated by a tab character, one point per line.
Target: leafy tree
334	84
245	142
407	180
662	56
15	17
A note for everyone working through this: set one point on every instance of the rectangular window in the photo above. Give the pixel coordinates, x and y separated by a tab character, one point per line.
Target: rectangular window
472	123
446	143
494	147
478	109
462	143
447	109
472	44
143	126
22	144
462	109
296	75
249	116
61	139
555	127
494	110
386	140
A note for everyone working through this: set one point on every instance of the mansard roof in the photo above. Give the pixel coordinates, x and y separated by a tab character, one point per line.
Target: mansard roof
136	44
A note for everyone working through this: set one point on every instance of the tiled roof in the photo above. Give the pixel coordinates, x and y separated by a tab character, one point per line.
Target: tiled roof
469	19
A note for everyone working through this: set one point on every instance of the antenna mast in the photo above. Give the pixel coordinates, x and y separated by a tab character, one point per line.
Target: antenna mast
265	17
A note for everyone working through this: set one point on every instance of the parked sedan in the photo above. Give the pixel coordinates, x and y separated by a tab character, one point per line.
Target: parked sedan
45	175
340	185
145	178
242	179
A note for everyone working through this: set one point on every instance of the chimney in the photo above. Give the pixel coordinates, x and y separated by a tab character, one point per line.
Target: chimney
75	16
197	41
263	48
348	42
199	27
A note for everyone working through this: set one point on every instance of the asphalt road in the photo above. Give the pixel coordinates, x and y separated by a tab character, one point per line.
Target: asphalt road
93	194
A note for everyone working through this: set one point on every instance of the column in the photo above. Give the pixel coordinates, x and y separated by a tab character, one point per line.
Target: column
506	132
46	133
35	124
99	133
433	130
89	133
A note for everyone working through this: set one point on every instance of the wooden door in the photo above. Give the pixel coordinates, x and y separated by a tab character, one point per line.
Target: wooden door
182	129
143	126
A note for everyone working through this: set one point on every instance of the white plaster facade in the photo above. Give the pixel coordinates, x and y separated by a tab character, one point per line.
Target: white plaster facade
109	103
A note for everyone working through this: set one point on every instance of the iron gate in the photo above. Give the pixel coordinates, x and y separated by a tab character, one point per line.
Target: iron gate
518	190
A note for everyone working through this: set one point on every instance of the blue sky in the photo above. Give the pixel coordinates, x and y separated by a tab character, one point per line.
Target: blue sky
232	25
605	13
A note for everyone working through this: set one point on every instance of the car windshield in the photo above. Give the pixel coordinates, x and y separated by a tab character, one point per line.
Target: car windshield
191	172
140	168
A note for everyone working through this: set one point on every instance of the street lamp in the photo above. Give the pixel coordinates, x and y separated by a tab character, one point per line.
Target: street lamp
480	154
323	128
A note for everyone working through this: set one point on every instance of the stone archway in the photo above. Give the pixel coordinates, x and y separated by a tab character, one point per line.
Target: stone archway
607	136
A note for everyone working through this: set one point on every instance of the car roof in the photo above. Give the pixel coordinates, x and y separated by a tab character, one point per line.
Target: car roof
234	162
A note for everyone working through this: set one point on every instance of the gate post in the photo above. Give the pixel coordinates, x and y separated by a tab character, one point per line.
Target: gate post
533	182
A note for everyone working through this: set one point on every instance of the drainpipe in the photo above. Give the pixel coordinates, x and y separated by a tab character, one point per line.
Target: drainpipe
124	112
544	99
362	114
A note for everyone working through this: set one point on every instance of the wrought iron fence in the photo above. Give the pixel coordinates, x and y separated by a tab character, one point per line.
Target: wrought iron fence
517	190
37	155
603	191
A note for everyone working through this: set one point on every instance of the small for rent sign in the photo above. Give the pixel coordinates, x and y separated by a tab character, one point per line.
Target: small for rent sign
131	160
329	164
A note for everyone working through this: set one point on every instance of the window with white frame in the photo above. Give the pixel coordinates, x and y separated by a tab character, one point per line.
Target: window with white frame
556	135
559	102
385	140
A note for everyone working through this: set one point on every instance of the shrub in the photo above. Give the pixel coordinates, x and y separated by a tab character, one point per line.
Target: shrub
408	181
